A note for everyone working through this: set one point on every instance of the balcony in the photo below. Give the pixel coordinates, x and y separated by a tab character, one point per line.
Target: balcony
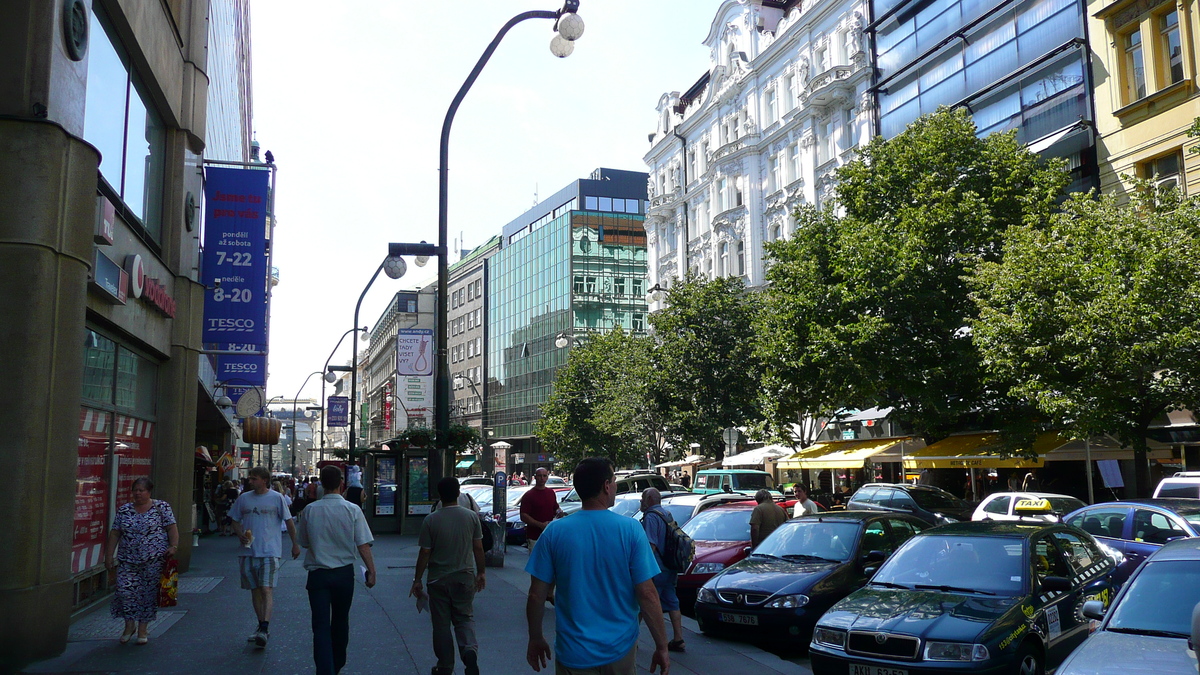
829	86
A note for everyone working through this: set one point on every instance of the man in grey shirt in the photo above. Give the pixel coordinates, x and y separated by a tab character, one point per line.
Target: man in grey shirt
333	530
451	542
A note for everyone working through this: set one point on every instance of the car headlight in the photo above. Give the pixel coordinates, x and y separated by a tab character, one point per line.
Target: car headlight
787	602
955	651
706	595
707	568
831	637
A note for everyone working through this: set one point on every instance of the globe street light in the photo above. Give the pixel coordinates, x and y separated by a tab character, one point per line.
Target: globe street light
568	27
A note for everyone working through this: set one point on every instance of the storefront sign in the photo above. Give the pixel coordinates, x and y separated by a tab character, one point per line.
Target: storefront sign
147	288
235	256
414	351
109	279
339	412
106	221
240	373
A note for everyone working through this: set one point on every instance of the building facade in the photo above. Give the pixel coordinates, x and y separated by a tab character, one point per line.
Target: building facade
389	403
1019	65
467	286
101	139
1147	98
572	265
784	103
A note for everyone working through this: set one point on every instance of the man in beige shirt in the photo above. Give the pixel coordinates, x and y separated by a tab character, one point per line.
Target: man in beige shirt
765	518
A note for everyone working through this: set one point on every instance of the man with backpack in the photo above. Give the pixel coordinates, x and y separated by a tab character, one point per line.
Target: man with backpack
660	529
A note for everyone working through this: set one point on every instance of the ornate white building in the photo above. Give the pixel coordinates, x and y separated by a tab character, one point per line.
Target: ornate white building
783	104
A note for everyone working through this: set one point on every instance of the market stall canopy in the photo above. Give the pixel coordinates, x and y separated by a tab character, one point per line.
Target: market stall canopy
757	456
1105	447
686	461
852	454
464	464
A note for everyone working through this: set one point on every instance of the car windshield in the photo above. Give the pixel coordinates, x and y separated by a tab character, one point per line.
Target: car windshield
627	507
1160	599
832	540
753	481
985	564
720	525
680	512
514	495
932	500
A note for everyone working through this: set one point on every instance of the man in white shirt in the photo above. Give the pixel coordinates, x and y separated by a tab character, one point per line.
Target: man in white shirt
804	505
333	530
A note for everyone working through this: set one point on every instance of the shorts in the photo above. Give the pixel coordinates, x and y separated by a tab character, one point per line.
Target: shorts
258	572
664	583
626	665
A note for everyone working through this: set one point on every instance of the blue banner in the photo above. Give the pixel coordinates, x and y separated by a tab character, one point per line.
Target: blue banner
235	258
240	373
338	412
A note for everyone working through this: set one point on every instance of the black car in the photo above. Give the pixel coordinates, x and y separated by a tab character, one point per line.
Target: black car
933	505
981	597
798	572
1138	527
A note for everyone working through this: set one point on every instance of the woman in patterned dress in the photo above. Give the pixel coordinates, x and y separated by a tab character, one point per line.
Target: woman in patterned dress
146	531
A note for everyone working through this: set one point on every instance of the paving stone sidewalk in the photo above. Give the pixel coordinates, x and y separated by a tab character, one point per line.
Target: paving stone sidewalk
206	632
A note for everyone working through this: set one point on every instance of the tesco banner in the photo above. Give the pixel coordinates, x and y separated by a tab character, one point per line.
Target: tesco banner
235	258
240	373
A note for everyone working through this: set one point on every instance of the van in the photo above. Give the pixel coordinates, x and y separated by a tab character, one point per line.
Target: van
1184	484
749	481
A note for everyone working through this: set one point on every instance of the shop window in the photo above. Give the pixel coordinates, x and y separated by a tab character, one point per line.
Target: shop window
121	122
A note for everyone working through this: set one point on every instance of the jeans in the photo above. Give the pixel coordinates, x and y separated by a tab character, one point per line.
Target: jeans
330	594
451	602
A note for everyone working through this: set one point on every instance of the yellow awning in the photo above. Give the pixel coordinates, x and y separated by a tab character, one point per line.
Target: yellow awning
815	450
852	457
978	451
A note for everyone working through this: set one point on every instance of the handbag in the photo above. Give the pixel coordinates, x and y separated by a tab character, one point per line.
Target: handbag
168	587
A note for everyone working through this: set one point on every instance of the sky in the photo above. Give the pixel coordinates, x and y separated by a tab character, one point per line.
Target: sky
350	96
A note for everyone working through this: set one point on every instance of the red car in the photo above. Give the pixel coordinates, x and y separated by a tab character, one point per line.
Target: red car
722	536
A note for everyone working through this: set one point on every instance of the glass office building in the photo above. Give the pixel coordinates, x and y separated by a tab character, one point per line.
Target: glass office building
572	265
1015	64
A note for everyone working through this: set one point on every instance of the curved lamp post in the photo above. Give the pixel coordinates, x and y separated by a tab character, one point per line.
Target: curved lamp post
568	27
326	369
292	444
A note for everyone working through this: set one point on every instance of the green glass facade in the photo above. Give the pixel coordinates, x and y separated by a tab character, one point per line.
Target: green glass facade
572	271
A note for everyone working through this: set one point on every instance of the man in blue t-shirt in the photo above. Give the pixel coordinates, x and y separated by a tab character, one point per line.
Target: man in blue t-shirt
603	570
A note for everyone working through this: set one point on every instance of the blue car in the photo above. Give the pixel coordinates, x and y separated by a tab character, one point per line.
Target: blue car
1138	527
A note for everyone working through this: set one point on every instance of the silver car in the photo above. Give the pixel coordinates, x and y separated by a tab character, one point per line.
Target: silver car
1146	630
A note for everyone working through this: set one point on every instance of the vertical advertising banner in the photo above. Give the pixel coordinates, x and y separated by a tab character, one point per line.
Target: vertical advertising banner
414	372
339	412
240	373
91	491
235	258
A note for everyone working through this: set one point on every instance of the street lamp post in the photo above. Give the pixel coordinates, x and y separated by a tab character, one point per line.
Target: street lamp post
568	27
395	267
292	444
330	377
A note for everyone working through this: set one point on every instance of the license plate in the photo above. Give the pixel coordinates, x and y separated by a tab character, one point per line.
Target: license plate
743	619
864	669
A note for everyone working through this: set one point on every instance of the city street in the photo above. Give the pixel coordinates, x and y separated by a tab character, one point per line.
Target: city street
206	632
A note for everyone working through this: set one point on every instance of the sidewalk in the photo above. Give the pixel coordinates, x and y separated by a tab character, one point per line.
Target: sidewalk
207	632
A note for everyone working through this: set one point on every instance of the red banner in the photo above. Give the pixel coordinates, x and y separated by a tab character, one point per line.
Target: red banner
134	451
91	491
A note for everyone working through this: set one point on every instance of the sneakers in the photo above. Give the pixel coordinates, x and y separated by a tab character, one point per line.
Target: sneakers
260	639
252	637
470	659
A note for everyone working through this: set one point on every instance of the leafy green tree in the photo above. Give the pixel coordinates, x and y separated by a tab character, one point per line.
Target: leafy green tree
1096	319
867	303
705	355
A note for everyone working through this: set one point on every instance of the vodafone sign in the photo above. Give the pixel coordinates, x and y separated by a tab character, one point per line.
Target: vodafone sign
147	288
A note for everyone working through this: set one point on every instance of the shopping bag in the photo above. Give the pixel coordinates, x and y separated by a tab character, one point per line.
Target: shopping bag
169	586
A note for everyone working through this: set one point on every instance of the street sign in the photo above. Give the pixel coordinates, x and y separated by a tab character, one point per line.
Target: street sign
730	436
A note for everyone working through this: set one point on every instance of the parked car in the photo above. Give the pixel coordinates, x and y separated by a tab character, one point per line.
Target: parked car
796	574
640	481
999	506
1138	527
709	481
515	527
1184	484
933	505
1147	628
478	479
676	487
975	597
722	536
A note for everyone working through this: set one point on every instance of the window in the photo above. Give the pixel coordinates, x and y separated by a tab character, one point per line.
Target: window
794	162
789	96
723	194
1047	561
774	176
619	286
636	288
769	107
1102	522
826	140
902	530
1164	171
1134	65
122	124
1172	51
1080	554
741	258
998	506
1153	527
639	321
820	60
874	538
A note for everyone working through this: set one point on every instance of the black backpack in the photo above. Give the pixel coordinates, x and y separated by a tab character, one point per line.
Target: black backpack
678	547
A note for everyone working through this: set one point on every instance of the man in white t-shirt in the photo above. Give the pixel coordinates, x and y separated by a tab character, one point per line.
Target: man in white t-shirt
804	505
257	515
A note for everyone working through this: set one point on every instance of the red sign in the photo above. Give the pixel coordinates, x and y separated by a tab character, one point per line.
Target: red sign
133	449
387	406
146	287
91	491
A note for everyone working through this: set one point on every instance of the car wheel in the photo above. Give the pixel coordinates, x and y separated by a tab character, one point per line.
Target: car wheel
1029	661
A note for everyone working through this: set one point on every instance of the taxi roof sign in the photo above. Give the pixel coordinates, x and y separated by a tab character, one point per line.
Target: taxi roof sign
1032	506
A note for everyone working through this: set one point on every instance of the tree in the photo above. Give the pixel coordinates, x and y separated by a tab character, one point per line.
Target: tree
867	303
1097	318
705	355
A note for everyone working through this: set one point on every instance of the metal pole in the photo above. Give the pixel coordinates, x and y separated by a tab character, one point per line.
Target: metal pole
354	358
1087	457
442	376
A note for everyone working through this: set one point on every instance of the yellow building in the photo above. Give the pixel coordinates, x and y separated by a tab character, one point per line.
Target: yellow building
1145	67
